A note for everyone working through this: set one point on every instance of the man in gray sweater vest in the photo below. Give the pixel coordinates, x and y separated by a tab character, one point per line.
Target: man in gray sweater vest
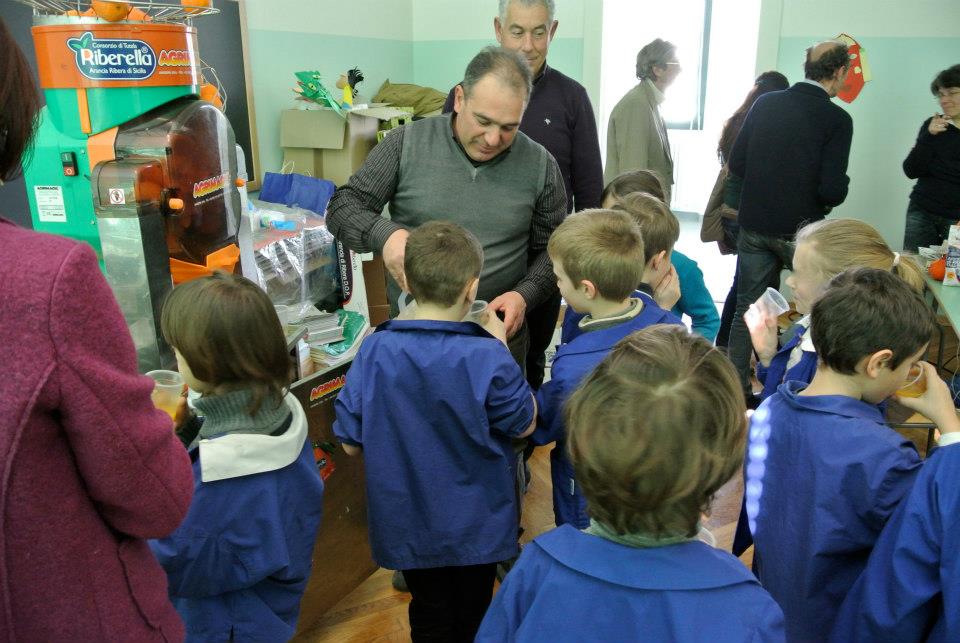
475	168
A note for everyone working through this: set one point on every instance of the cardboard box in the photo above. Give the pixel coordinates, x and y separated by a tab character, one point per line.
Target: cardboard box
321	143
374	276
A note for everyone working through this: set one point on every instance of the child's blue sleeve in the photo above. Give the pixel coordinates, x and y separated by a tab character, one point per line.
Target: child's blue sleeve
348	407
901	593
509	398
695	300
892	480
229	541
550	400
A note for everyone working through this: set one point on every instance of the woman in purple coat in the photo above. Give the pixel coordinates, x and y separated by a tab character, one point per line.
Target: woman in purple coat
88	467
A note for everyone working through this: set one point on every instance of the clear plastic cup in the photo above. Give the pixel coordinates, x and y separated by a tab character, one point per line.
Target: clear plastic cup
478	312
915	385
772	304
167	386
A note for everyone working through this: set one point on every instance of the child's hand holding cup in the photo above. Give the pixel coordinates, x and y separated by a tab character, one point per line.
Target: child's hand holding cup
926	393
169	393
761	320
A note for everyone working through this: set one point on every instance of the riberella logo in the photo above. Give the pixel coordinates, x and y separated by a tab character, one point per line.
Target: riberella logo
113	58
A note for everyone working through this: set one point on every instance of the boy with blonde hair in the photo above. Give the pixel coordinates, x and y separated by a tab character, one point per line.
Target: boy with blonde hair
638	573
658	286
598	258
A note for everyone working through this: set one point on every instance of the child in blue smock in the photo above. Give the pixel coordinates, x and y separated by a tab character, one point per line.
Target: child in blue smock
654	431
910	590
432	403
680	287
238	565
824	250
823	471
597	257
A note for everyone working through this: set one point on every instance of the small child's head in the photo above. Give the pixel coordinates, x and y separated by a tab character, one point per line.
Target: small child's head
597	257
655	430
870	325
632	181
828	247
442	263
227	336
660	229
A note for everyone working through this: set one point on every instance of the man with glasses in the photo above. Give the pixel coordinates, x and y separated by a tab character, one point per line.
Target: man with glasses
935	162
636	133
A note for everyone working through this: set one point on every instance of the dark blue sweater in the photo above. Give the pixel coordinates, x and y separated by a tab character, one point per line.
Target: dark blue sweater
560	117
792	157
935	162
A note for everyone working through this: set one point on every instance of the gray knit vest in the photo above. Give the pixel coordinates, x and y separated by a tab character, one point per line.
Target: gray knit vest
494	201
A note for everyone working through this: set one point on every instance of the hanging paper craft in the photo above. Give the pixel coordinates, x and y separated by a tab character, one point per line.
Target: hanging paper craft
859	74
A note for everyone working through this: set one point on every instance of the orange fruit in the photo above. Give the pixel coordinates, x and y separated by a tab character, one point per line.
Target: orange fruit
210	94
139	15
194	6
938	269
111	11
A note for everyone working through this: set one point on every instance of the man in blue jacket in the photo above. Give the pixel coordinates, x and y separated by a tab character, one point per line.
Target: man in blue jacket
790	164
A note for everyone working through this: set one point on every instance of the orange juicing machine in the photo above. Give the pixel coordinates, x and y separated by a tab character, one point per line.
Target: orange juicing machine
128	157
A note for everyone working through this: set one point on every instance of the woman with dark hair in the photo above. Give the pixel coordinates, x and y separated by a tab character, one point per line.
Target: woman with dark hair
89	469
935	162
720	216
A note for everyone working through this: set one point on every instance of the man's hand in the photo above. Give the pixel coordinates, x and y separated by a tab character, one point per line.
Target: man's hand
667	292
514	309
935	403
938	124
763	333
393	253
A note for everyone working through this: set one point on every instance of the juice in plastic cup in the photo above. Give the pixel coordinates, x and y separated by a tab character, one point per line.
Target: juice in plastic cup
915	385
478	312
167	386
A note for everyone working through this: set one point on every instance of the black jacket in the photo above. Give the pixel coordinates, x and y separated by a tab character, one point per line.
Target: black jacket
935	162
791	155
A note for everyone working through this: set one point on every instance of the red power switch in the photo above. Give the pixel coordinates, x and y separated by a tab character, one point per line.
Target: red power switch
69	162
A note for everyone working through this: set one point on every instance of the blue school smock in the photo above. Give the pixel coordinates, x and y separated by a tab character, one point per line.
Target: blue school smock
239	563
695	300
572	586
572	363
777	373
570	326
434	406
910	590
823	475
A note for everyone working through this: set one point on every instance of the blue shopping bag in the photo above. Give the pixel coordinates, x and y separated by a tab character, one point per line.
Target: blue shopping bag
297	190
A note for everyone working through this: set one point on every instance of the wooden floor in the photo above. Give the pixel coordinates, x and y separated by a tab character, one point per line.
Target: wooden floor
376	613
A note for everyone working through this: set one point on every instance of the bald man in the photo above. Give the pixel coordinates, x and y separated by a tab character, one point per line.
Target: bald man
789	164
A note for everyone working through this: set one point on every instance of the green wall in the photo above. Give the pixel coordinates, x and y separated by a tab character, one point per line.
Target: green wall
440	63
276	55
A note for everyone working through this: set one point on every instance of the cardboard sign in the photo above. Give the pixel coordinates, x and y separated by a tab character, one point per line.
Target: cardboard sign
116	55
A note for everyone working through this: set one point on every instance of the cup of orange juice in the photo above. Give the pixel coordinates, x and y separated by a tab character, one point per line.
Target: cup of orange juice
167	386
915	384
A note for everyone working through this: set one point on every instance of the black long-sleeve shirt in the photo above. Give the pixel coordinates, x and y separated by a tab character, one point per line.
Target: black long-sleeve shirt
792	155
935	162
559	117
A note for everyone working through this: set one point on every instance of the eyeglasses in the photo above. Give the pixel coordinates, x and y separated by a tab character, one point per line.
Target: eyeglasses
672	62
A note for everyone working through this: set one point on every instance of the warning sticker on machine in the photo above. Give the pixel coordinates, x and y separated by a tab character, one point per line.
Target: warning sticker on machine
50	207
